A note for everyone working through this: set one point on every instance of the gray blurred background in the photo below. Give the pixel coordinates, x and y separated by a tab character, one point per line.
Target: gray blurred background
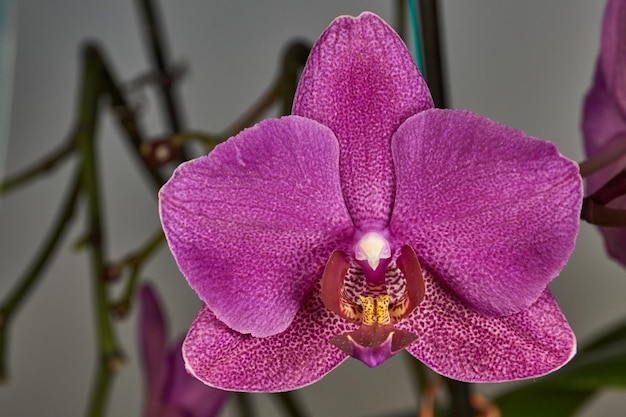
526	63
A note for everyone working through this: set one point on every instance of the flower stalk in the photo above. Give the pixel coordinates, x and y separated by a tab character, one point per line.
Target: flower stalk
290	404
160	60
44	166
136	261
243	400
33	275
110	356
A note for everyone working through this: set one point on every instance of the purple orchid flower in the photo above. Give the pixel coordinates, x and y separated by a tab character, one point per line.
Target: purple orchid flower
371	221
170	390
604	118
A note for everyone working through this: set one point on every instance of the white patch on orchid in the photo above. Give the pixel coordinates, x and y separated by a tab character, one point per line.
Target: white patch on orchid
372	247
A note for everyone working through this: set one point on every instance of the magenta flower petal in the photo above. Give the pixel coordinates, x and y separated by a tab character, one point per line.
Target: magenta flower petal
465	345
170	390
153	348
493	211
603	123
184	392
613	54
297	357
604	117
251	225
361	81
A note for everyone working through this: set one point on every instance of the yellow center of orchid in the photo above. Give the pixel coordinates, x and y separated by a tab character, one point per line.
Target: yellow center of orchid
375	309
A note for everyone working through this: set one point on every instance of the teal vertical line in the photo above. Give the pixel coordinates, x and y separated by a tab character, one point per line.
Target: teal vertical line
415	30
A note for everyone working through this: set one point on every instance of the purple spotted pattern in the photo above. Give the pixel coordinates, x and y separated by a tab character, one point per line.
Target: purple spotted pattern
295	358
452	336
169	390
491	214
363	97
604	114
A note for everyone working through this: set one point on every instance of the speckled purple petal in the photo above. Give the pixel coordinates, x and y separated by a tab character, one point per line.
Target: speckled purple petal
462	344
361	81
300	356
495	213
604	126
188	395
613	50
252	224
153	349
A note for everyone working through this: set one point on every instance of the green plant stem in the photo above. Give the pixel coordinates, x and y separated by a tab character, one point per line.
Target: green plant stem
282	89
125	116
433	56
399	18
293	59
34	273
459	398
45	165
136	261
244	404
418	372
206	139
290	404
110	357
160	60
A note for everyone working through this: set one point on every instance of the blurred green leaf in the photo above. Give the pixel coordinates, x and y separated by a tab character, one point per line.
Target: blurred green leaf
538	400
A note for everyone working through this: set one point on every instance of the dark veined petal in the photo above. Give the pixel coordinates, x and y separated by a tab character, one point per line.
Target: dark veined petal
153	349
493	212
252	224
297	357
361	81
465	345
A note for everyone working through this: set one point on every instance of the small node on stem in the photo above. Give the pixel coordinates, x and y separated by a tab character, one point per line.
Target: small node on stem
115	361
160	152
120	310
112	272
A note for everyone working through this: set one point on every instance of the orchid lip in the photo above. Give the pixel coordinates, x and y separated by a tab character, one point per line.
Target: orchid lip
372	345
376	339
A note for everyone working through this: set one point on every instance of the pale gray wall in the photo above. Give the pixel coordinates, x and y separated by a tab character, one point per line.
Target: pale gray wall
523	63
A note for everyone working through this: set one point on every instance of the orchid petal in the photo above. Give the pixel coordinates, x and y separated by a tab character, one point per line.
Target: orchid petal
361	81
494	212
462	344
604	126
301	355
613	50
603	121
186	393
153	347
251	224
